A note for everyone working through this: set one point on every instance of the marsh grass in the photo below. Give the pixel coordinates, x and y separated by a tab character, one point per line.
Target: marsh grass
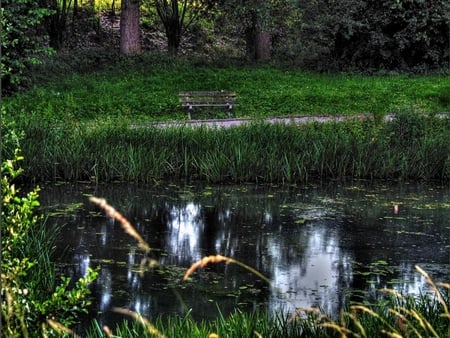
40	245
411	146
394	315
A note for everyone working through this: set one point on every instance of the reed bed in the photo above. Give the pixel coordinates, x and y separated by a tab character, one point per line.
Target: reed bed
412	146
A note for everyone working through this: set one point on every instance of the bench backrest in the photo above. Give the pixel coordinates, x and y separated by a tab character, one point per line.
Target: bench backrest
207	97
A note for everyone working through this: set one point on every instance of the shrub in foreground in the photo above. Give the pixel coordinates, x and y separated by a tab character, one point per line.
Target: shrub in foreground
34	301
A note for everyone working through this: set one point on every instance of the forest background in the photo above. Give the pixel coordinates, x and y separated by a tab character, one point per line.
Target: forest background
316	35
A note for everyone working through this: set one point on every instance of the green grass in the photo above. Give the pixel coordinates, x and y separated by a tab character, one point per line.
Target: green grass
146	88
238	324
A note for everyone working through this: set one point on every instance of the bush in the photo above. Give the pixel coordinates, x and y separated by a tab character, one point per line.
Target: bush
31	298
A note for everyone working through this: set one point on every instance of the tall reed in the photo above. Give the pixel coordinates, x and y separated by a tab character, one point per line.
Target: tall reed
410	147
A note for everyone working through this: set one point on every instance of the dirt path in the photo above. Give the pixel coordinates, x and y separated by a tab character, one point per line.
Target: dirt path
232	122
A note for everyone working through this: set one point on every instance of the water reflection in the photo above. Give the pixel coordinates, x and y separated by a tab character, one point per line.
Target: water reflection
310	278
314	243
184	232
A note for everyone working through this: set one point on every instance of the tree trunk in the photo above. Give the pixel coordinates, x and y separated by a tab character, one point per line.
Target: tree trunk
263	46
250	36
56	23
130	33
258	40
173	33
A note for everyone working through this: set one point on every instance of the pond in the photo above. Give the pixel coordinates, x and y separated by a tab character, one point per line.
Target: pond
320	245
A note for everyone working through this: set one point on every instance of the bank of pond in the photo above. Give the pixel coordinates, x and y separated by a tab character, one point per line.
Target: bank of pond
410	146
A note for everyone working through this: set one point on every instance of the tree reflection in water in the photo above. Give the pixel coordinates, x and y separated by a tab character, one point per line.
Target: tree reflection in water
184	232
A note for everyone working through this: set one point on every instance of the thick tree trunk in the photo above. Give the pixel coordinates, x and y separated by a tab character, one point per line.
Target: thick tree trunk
259	42
263	46
130	33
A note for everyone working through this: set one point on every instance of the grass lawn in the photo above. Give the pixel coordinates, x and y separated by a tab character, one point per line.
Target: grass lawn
146	88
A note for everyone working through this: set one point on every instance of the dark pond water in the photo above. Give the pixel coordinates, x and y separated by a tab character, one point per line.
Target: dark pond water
315	243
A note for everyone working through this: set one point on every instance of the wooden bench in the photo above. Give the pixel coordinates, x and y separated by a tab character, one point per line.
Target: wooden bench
203	99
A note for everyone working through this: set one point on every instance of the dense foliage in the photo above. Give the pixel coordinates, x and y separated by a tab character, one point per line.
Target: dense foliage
373	35
22	40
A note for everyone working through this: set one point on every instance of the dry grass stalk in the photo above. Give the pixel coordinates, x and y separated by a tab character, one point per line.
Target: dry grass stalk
354	316
365	309
342	330
205	261
446	286
301	313
424	323
136	316
257	334
107	331
393	292
147	263
434	288
403	322
392	334
218	259
113	213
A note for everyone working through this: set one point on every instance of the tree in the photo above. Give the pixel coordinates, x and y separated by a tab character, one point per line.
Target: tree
56	23
130	33
394	35
259	22
252	19
22	41
177	16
